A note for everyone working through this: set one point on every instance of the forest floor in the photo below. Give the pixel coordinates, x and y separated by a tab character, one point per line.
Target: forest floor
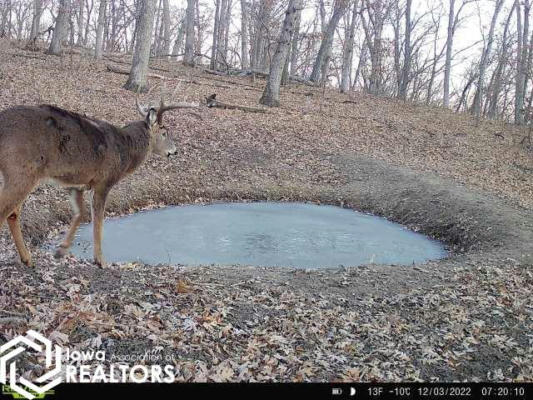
468	183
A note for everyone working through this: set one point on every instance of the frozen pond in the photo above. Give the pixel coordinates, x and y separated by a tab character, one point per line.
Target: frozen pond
262	234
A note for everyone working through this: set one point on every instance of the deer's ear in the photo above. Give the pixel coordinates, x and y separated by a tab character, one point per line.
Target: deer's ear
152	117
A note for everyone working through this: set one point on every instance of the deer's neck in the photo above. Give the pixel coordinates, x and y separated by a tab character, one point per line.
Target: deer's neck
136	145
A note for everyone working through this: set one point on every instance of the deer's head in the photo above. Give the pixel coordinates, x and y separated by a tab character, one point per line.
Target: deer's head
161	140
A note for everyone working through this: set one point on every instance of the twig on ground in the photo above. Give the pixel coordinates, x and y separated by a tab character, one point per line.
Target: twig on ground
124	72
212	102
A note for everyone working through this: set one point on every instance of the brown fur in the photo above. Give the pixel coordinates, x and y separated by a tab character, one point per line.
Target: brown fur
76	151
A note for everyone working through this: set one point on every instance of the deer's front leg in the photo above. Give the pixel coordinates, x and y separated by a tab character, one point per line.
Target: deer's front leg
98	209
14	226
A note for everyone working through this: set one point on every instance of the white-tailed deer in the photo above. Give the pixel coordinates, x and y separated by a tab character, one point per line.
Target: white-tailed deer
78	152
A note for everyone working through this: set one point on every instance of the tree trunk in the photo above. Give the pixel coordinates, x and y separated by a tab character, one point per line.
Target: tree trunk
189	33
137	78
60	30
484	60
245	46
348	53
226	22
360	64
373	36
404	82
271	93
179	40
100	30
258	56
36	21
216	28
81	3
166	28
285	73
89	8
324	53
449	47
294	45
157	32
6	19
502	61
397	51
72	31
521	61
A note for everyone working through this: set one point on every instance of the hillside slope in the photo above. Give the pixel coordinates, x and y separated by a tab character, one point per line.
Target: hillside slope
291	142
466	317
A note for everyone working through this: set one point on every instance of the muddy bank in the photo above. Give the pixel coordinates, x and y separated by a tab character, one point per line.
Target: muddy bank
466	220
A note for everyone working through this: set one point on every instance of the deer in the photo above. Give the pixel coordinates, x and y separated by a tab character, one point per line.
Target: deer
48	143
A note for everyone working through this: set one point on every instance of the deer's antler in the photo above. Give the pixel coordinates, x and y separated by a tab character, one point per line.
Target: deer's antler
163	107
143	110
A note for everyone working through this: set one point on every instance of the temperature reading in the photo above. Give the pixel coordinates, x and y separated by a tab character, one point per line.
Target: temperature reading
402	391
375	391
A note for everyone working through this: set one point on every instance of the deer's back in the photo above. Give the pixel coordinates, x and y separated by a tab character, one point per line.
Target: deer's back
56	143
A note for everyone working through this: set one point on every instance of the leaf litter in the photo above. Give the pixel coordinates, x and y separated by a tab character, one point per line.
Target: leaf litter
472	321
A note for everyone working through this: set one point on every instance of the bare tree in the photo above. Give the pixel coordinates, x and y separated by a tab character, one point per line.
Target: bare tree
165	47
189	33
100	30
271	93
36	21
295	41
89	5
262	15
521	60
216	28
476	110
324	53
377	12
498	72
61	26
245	46
79	16
179	39
404	79
347	57
145	23
453	21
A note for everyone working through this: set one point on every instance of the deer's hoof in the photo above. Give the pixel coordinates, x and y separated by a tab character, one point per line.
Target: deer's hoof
101	263
28	262
60	252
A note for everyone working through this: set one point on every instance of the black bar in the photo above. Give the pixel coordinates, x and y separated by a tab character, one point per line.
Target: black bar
356	391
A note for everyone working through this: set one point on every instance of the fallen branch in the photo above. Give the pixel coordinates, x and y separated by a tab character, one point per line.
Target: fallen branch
124	72
29	56
212	102
213	72
12	321
299	79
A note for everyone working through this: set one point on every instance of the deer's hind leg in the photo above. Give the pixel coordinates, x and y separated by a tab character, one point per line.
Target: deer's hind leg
98	211
76	199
